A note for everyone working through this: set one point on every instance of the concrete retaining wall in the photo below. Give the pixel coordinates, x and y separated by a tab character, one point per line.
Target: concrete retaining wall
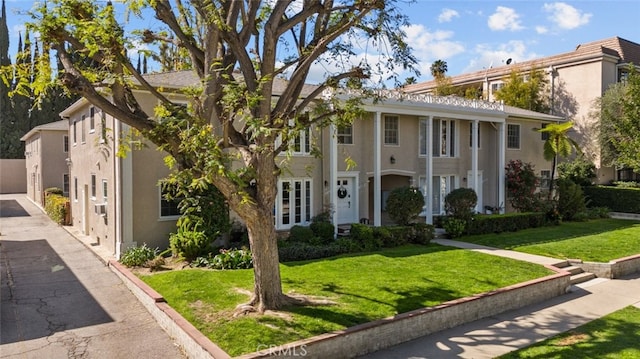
13	176
614	269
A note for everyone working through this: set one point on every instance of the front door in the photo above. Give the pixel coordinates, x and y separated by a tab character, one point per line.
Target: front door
346	208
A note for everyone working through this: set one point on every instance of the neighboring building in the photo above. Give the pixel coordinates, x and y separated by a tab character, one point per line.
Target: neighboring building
577	78
46	151
420	140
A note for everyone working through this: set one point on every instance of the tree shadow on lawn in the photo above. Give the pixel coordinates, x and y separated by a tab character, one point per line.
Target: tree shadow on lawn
541	235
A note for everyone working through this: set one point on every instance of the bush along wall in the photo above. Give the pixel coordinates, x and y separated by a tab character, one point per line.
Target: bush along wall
626	200
56	207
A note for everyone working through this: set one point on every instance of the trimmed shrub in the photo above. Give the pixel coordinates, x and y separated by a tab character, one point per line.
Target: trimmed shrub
404	204
300	234
460	203
298	251
454	227
570	199
598	212
421	233
56	207
626	200
510	222
323	231
363	234
53	190
138	256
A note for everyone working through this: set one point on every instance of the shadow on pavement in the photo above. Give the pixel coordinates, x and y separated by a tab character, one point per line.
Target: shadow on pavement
40	294
11	208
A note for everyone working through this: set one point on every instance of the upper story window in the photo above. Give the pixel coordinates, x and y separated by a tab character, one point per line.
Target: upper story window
513	136
471	134
75	189
345	134
544	135
105	190
83	134
391	130
65	184
65	144
92	120
444	138
302	143
93	186
75	132
545	178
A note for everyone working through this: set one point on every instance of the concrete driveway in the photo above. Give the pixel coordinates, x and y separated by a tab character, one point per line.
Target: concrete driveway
60	301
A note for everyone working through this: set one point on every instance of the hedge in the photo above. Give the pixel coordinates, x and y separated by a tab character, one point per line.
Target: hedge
626	200
56	207
510	222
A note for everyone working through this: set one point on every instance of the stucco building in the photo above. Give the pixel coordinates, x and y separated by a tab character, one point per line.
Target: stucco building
576	79
46	151
420	140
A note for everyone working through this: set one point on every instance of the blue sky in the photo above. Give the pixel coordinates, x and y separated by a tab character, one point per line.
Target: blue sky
472	35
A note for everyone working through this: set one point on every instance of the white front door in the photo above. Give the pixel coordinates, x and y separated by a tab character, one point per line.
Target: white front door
471	184
346	208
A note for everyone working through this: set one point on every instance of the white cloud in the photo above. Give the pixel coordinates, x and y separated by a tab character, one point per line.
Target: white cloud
541	30
504	19
566	16
431	46
447	15
488	56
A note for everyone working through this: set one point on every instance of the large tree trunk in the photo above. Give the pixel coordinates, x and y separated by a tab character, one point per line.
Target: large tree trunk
266	267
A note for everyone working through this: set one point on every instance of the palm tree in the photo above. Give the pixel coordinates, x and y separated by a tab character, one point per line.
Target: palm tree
558	143
438	69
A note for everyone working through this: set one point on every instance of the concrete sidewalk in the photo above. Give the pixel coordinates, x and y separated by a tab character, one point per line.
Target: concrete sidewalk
59	300
497	335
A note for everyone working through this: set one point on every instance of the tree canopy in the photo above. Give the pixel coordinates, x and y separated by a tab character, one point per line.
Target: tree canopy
525	89
227	135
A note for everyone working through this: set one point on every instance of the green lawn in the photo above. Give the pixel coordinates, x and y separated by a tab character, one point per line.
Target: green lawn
614	336
596	241
365	287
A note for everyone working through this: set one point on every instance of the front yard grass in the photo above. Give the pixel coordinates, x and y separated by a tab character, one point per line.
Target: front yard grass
613	336
598	240
364	287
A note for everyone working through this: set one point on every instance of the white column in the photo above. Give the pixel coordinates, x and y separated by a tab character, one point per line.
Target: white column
377	186
474	160
429	171
502	139
333	175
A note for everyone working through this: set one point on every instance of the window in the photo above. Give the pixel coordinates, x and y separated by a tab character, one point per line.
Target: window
105	191
345	134
75	132
513	137
93	186
92	120
442	185
168	208
444	138
301	143
495	87
391	130
65	144
471	134
545	178
65	184
544	135
75	188
294	203
103	127
83	136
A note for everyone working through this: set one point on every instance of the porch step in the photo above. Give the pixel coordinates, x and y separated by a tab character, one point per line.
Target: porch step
582	277
344	230
574	270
